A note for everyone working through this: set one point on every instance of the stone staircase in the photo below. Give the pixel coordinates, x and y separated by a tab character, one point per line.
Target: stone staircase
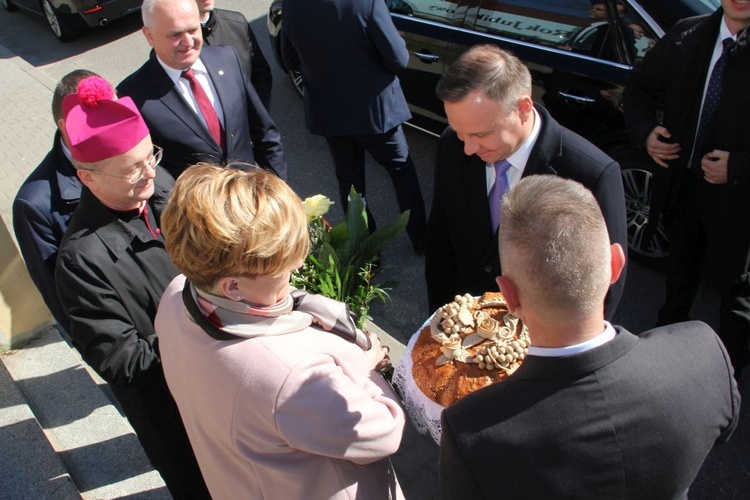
61	436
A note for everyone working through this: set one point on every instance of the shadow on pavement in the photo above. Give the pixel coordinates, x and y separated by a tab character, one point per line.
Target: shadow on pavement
29	36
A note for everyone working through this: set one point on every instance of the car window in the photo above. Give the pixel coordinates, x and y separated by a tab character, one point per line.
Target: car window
431	10
644	38
581	26
546	22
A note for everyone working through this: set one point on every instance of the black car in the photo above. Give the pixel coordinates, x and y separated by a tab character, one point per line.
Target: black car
68	18
579	53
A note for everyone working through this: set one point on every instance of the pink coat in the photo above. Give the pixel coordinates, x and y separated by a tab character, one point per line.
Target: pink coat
290	416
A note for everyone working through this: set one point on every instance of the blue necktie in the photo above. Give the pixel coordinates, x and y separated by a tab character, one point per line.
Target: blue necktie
497	191
713	93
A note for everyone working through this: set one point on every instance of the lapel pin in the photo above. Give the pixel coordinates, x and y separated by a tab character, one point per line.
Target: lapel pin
221	72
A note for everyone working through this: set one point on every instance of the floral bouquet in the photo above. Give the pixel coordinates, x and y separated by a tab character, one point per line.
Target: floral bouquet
343	259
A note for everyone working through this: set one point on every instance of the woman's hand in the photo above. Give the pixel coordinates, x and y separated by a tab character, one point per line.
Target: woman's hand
377	352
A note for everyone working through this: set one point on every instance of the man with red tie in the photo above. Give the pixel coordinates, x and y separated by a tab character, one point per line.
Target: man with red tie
197	101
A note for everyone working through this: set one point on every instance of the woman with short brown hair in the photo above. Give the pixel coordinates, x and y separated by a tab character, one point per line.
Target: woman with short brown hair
277	390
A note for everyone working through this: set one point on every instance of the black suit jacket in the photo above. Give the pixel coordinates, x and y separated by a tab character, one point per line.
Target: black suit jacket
41	211
670	82
462	250
251	134
631	419
227	27
349	53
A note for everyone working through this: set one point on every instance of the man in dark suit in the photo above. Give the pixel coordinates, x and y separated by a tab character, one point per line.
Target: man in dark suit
228	27
197	100
700	141
45	203
487	96
350	53
594	411
112	268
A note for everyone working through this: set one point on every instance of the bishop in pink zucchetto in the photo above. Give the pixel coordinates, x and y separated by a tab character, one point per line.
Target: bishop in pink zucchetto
112	268
98	125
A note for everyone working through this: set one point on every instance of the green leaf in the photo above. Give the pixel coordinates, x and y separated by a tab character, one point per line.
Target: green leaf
355	219
382	236
340	262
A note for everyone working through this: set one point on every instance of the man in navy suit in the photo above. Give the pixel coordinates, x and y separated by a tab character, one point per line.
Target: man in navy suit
594	411
46	202
350	53
180	106
487	96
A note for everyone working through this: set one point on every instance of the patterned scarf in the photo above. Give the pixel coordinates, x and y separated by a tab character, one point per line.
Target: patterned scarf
293	313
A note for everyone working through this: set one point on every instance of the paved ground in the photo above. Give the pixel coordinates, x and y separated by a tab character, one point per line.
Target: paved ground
25	136
26	128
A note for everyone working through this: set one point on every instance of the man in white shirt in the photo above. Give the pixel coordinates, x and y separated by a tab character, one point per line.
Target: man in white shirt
495	124
690	117
594	411
197	101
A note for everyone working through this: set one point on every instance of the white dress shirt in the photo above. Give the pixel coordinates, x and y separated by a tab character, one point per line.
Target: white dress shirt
518	159
183	87
560	352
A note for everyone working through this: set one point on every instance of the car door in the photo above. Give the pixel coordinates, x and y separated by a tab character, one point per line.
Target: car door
427	27
32	5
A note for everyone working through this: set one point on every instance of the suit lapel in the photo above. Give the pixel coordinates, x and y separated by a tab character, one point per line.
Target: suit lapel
217	74
475	171
547	148
476	180
174	102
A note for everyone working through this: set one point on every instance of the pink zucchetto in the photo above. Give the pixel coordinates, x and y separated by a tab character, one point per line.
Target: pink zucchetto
98	125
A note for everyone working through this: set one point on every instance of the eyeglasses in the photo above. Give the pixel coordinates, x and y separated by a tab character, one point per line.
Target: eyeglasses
138	171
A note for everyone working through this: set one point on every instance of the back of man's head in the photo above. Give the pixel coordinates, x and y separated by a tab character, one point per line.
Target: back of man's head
489	69
555	247
67	85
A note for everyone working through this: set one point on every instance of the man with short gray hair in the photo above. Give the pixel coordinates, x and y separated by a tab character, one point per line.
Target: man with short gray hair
196	100
594	411
566	276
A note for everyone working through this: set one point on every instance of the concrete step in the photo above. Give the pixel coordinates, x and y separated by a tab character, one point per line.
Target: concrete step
31	468
61	436
65	437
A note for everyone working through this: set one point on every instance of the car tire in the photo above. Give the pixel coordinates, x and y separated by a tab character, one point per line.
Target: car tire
59	25
9	5
637	182
296	78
